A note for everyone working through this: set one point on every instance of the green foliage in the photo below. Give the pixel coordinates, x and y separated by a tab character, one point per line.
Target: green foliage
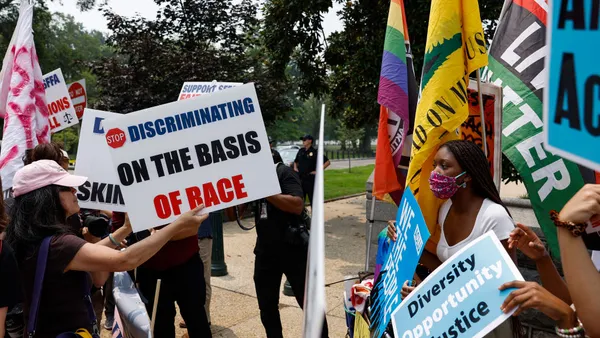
294	31
189	41
304	118
509	172
70	47
61	42
69	138
349	137
354	54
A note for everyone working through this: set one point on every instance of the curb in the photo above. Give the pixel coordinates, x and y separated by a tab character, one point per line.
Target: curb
354	159
517	202
344	197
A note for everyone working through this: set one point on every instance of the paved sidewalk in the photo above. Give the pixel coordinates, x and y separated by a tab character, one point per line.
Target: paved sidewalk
234	308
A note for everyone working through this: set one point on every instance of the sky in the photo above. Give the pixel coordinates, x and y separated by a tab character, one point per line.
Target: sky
93	20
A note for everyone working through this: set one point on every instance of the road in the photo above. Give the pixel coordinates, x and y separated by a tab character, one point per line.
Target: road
343	164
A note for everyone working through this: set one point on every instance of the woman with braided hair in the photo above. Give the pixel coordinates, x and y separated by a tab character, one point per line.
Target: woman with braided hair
461	175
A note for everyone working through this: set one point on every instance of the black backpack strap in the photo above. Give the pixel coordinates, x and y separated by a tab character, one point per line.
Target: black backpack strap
40	271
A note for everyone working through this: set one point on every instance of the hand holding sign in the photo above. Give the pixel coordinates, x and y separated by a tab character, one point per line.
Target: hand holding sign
210	150
189	222
531	295
403	256
461	297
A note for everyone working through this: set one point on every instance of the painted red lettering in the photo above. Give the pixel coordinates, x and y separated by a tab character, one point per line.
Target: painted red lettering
225	194
193	196
238	186
66	102
175	202
210	195
161	205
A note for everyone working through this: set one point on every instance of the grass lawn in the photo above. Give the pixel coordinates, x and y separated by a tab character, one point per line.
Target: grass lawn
340	182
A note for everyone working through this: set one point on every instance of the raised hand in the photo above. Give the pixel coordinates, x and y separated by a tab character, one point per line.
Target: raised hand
391	230
525	239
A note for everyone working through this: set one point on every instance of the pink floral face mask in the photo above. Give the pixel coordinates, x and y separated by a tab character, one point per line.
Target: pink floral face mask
444	187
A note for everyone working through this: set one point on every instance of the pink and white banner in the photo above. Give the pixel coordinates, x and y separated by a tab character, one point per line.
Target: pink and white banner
22	98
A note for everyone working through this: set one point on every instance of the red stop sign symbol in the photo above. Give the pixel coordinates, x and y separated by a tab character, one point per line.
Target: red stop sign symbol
78	97
115	138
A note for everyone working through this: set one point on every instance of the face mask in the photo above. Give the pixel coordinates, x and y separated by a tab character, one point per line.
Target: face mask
444	187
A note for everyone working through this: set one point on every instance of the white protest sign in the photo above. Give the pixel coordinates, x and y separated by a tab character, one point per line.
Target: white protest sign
194	89
102	190
314	298
210	150
61	110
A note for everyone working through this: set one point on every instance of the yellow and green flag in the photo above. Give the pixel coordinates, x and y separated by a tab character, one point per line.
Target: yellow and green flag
456	46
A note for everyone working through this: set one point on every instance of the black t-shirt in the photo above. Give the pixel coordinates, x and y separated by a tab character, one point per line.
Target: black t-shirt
307	160
10	286
271	231
62	305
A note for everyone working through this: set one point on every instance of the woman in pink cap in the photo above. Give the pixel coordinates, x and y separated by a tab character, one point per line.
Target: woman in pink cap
44	198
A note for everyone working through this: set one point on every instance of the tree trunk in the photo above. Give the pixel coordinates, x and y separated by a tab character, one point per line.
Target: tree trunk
365	142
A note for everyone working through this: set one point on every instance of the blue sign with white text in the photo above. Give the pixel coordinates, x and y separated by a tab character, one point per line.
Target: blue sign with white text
571	102
401	262
461	297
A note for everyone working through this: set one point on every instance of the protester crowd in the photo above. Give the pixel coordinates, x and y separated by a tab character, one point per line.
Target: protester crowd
473	207
57	260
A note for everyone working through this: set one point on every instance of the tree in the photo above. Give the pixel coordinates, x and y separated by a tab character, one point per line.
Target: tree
189	41
294	31
349	137
60	43
353	55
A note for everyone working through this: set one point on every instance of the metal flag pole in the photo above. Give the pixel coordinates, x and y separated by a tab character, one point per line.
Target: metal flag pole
483	132
370	232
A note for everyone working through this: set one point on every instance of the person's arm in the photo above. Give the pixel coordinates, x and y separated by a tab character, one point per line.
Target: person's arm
119	235
326	164
99	278
527	241
3	312
431	261
531	295
93	257
106	213
581	275
287	203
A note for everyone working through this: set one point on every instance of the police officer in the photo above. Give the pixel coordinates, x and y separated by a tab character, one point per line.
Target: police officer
281	248
306	165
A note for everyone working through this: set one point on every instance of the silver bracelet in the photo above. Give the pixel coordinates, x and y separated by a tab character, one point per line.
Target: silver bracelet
113	240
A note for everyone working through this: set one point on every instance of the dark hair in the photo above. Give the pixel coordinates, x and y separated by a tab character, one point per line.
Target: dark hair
27	158
47	151
33	217
471	159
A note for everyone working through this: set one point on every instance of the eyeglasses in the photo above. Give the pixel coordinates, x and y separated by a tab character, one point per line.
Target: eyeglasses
64	189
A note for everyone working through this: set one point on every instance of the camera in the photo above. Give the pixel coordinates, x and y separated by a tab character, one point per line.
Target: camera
96	223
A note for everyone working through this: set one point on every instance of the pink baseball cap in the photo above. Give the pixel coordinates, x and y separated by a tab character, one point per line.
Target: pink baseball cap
43	173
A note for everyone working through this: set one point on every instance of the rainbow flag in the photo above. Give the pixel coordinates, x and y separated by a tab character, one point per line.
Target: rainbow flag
456	46
397	97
